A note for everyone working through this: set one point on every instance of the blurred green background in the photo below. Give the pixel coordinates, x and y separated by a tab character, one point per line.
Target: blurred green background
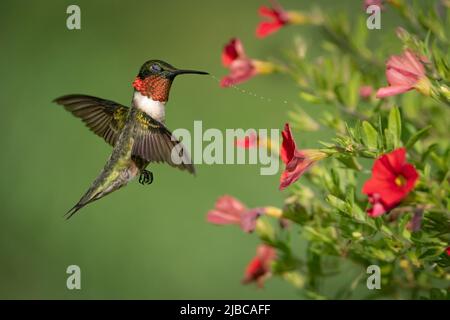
141	242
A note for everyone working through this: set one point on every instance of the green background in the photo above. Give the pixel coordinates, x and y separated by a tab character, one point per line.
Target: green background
140	242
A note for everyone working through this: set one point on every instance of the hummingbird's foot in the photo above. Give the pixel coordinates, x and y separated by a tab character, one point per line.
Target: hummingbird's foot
146	177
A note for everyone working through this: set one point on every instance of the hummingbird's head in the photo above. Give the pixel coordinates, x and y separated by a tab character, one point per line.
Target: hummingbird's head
155	78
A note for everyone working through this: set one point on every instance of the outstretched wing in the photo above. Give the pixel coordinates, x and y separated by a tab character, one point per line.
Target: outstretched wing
103	117
155	143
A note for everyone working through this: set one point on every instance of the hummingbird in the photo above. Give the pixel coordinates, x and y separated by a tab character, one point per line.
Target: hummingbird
137	134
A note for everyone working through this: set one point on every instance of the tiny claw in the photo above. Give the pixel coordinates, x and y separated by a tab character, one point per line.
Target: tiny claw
150	178
146	177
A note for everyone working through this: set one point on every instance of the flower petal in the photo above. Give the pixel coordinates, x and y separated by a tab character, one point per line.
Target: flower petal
400	78
394	160
258	270
411	176
240	71
230	205
288	146
249	218
377	210
392	91
220	217
266	28
232	50
267	12
294	170
413	64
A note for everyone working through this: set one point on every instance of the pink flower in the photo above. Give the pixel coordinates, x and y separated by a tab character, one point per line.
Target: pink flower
249	141
392	180
259	269
229	210
378	208
404	72
365	92
368	3
297	161
277	18
232	51
241	67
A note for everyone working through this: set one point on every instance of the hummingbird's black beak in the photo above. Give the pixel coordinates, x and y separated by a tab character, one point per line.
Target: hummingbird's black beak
181	71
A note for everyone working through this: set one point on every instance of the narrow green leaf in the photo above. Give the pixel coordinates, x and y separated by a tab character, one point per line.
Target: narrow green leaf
349	162
309	97
389	139
337	203
395	126
417	136
370	135
353	90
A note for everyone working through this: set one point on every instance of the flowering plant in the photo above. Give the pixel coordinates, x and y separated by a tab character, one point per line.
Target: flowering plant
378	191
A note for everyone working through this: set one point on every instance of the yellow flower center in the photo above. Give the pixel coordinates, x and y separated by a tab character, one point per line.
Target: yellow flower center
400	181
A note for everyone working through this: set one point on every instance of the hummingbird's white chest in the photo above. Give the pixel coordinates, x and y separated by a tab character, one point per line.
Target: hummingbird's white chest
155	109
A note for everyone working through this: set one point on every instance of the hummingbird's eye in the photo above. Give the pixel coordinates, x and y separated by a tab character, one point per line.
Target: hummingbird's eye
156	67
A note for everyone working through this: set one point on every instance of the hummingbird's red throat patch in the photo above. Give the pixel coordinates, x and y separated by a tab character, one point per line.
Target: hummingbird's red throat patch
138	84
155	87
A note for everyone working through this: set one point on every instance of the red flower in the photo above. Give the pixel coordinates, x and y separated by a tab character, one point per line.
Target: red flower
297	161
392	179
232	51
278	17
276	14
447	251
404	73
229	210
258	270
241	67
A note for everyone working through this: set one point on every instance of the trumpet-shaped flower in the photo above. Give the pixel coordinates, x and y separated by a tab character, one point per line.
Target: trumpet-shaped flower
241	67
297	161
405	72
229	210
259	269
276	18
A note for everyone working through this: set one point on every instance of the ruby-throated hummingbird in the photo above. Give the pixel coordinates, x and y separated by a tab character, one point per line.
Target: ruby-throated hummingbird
138	134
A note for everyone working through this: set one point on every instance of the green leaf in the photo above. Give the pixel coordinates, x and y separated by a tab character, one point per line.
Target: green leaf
353	91
439	294
380	132
395	126
417	136
338	204
309	97
349	162
390	139
370	135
